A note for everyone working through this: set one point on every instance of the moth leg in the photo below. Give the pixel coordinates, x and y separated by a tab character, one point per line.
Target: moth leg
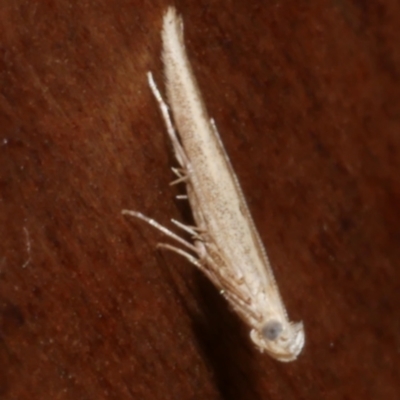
238	303
174	236
192	230
236	285
243	309
234	296
195	205
232	283
179	180
181	174
232	290
193	260
226	274
197	236
200	264
182	177
229	290
178	149
161	228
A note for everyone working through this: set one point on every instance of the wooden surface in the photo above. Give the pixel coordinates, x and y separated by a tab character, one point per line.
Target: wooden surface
306	98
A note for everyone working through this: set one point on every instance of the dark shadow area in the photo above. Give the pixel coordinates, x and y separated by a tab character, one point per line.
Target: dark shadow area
224	341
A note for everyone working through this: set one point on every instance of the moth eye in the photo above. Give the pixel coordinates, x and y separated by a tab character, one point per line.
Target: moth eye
272	329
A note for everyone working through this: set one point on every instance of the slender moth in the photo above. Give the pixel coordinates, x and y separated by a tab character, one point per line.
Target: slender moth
226	246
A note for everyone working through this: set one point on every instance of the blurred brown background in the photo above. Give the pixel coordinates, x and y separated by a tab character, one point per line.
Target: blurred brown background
306	98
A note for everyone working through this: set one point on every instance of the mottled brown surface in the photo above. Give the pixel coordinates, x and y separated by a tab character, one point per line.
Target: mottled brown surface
307	102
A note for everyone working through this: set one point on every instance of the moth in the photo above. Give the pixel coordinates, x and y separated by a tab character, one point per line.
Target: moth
225	244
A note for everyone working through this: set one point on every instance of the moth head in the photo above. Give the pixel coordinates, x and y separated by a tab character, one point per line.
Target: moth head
282	340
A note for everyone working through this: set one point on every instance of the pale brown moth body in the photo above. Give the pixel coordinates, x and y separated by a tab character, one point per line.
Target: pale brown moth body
226	245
